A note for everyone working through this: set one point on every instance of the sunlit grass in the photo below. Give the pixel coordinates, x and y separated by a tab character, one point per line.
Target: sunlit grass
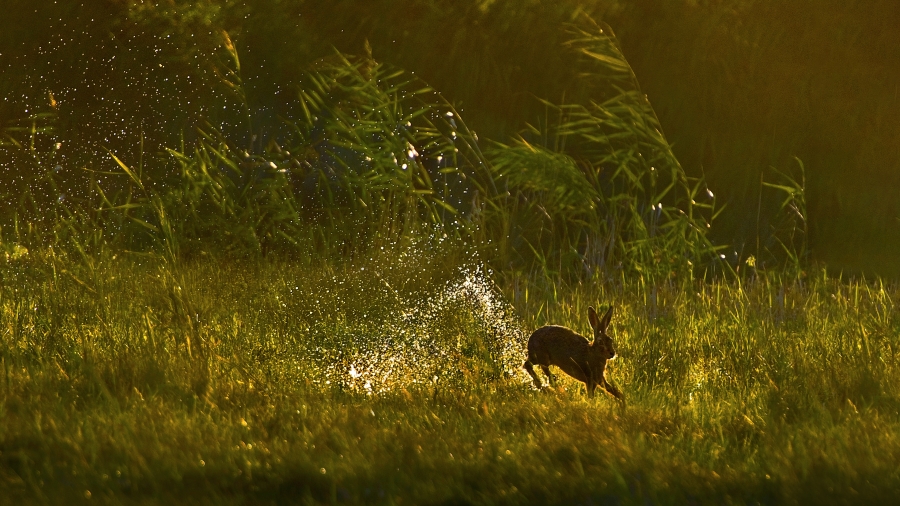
234	382
340	314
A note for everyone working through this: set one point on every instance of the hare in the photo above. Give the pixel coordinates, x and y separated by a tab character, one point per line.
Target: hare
571	352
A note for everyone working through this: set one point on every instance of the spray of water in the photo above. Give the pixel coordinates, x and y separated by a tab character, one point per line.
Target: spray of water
439	335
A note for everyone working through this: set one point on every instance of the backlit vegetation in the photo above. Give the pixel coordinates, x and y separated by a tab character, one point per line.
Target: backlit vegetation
331	304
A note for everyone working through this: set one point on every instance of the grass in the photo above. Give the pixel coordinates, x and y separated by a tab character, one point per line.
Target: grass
394	379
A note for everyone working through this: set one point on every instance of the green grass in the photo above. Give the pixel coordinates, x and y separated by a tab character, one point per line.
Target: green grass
218	382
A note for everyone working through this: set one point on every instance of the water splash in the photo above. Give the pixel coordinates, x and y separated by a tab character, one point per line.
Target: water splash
436	336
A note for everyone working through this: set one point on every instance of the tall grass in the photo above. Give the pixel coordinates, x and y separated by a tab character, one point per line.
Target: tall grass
745	86
601	184
201	84
376	156
740	86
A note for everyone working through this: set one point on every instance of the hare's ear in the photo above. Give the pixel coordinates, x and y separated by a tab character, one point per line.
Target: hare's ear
593	318
604	323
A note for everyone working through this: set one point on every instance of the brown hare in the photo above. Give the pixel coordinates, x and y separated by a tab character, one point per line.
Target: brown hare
571	352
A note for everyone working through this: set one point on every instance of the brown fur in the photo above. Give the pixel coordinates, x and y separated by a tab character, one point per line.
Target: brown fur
571	352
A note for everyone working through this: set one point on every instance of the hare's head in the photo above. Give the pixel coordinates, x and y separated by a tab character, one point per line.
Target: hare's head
603	345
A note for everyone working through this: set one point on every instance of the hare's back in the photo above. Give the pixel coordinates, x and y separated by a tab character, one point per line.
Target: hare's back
554	340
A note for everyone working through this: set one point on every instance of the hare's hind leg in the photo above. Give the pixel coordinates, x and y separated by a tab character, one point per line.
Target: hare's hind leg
550	377
530	369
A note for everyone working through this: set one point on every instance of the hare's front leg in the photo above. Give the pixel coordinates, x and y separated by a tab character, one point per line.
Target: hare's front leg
612	389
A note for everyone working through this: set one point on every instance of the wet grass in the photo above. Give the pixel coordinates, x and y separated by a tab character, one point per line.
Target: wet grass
394	379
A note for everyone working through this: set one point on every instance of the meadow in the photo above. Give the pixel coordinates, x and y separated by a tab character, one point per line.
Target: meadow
296	273
386	382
